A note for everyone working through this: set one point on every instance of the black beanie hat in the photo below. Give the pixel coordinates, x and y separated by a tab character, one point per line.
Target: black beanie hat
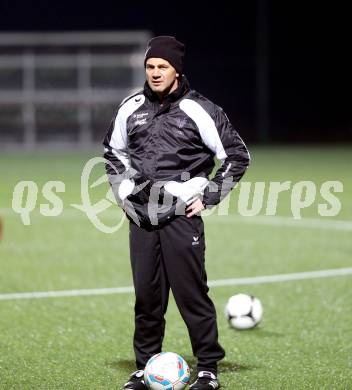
168	48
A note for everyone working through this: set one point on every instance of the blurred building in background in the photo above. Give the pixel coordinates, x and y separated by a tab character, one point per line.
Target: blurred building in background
61	89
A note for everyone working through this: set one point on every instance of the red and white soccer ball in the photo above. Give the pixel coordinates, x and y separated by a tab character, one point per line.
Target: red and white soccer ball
166	371
243	311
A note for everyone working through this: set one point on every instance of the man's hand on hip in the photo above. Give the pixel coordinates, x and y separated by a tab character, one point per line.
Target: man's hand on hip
194	208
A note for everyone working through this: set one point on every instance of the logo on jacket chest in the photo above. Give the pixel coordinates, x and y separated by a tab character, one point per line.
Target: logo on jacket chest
140	118
180	122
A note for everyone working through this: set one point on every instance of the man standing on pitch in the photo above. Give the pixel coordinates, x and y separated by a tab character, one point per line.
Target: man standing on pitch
160	149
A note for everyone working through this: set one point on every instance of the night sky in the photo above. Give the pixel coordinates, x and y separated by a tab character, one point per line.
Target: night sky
309	45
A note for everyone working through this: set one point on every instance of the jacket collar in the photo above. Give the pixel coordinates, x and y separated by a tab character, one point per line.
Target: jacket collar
182	89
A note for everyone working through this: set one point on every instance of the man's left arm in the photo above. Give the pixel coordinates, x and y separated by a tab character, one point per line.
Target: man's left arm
234	156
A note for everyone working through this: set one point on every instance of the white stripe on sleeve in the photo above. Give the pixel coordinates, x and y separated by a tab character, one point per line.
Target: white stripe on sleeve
118	140
206	126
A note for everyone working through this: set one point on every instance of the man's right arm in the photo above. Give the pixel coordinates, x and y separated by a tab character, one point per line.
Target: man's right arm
115	142
118	167
115	148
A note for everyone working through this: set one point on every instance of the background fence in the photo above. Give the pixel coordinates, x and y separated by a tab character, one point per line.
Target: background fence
61	89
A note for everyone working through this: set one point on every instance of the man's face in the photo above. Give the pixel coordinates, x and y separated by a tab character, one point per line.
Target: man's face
161	76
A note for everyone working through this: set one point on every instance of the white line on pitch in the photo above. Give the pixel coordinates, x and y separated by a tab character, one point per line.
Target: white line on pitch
281	278
213	283
313	223
66	293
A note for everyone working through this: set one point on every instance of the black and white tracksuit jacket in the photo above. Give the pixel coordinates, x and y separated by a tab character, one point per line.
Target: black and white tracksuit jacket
169	149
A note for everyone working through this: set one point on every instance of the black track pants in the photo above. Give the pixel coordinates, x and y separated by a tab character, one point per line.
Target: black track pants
173	256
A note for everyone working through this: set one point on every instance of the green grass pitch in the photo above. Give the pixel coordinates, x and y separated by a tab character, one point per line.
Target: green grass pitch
85	342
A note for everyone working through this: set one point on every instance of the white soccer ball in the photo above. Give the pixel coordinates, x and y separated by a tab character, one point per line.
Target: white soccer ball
166	371
243	311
